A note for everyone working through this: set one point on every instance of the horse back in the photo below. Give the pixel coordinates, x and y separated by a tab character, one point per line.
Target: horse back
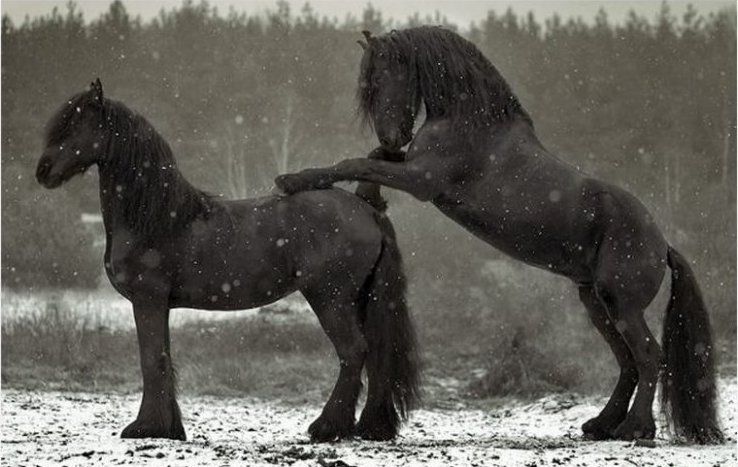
265	248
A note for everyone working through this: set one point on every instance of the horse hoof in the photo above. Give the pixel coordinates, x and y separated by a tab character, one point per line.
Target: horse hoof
290	183
323	430
375	432
140	429
632	429
596	430
277	191
597	435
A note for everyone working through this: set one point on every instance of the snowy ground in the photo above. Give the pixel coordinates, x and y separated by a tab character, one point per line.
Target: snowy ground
76	429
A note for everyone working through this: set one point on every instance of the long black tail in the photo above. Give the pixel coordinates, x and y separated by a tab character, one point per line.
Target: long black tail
392	364
688	380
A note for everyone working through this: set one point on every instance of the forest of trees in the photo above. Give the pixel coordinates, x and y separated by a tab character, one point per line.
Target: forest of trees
648	103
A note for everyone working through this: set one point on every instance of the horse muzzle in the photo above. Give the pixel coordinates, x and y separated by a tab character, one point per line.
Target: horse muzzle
46	176
394	141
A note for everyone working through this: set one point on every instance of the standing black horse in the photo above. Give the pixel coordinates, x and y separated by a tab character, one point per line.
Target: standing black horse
170	245
477	158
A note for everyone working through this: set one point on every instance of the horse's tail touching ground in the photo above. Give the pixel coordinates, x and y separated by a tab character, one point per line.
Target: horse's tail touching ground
688	378
392	363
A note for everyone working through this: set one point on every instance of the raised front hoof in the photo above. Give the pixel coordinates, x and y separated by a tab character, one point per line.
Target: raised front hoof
325	430
374	431
633	429
140	429
597	429
295	183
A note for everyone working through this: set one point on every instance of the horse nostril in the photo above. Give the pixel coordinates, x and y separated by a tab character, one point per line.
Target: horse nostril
42	171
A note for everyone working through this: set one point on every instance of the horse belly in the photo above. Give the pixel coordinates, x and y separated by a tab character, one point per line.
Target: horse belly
557	246
233	279
230	291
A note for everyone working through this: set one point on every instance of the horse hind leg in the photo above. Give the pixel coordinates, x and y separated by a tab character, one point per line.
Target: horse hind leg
339	317
629	271
614	412
639	421
626	295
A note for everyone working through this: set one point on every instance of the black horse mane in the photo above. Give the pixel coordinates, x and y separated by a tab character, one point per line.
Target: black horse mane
158	200
154	197
452	76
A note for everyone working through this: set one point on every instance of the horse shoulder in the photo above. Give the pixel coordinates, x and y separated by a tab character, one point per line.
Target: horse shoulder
134	268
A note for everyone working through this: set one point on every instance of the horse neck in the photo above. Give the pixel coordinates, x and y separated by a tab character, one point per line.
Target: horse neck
489	103
146	194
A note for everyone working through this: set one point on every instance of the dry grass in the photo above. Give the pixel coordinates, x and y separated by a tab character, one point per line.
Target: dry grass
258	356
485	352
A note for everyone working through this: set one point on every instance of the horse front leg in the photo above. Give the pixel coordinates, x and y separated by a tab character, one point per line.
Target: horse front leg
370	192
159	415
422	179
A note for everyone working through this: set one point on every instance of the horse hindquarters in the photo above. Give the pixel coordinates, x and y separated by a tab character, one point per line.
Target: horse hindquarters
392	362
688	380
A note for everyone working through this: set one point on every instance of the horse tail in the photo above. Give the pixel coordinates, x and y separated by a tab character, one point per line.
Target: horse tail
688	379
392	362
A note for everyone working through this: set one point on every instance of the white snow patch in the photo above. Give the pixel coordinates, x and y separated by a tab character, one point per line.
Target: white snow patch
79	429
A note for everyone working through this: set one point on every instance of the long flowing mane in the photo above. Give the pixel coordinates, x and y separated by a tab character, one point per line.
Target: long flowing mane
155	198
452	76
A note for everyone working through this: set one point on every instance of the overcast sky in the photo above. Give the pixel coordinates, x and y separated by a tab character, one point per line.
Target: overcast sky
459	12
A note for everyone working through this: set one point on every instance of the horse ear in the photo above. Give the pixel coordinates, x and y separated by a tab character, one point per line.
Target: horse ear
97	90
368	35
362	44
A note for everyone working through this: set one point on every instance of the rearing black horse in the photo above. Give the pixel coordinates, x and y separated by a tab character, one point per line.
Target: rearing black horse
170	245
477	158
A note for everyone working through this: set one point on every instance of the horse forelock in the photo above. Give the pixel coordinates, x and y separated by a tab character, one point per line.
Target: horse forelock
453	77
59	125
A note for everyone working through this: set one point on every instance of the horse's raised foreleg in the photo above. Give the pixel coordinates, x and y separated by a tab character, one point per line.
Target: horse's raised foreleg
159	415
415	177
602	426
370	192
339	317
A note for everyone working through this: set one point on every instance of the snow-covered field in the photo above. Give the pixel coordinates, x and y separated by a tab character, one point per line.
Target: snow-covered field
105	308
77	429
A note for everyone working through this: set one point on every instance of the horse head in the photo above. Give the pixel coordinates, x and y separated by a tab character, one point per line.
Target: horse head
75	138
388	95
